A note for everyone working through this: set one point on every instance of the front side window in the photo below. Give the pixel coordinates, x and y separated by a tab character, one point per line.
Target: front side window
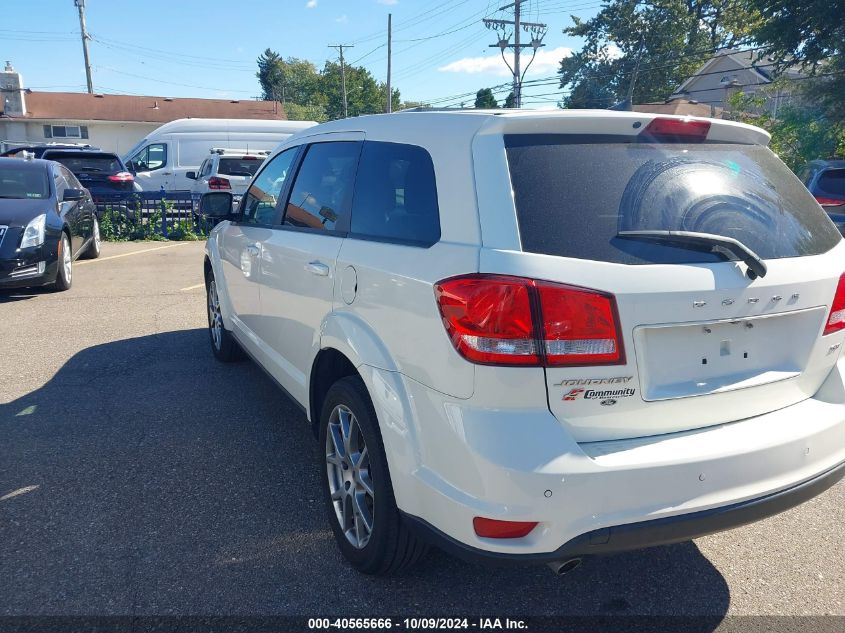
23	183
396	195
70	178
150	158
322	191
262	197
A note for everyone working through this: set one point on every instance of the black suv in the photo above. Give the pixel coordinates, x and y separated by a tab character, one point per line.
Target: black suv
826	181
99	172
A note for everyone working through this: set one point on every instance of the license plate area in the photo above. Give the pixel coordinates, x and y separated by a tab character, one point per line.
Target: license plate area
693	359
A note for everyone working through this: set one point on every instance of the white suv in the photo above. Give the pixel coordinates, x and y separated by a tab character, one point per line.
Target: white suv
227	170
537	336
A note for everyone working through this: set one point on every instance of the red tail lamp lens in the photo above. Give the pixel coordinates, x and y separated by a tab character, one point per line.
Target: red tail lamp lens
836	320
493	528
678	130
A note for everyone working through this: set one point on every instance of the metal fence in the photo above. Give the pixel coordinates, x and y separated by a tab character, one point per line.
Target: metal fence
139	215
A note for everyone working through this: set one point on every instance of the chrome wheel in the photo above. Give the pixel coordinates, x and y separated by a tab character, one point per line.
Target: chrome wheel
215	319
67	259
96	235
348	470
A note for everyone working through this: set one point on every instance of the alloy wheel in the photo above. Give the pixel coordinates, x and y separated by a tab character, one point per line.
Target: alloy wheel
348	470
215	319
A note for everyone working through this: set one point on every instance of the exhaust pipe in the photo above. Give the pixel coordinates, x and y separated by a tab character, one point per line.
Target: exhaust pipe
561	567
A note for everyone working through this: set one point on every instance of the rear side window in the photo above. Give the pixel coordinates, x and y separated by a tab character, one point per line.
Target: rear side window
833	181
396	195
322	191
238	166
573	198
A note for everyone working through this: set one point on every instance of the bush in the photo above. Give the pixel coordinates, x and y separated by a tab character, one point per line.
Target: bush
125	223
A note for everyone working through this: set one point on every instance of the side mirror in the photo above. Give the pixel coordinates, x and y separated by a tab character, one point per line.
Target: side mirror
217	204
71	195
191	175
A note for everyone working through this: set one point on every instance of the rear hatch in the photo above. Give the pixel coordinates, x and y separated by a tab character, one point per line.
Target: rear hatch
239	170
689	336
99	172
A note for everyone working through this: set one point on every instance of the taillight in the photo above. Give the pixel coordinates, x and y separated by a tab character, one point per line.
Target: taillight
836	320
676	130
215	182
503	320
122	176
493	528
829	202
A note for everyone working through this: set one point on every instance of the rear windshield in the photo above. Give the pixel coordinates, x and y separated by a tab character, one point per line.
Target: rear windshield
239	166
87	162
833	181
23	183
574	194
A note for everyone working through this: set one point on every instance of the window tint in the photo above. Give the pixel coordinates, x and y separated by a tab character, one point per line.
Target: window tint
259	205
70	178
87	161
239	166
833	181
322	190
61	184
150	158
572	199
395	194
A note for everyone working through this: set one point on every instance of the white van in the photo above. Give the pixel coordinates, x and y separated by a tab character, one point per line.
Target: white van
164	157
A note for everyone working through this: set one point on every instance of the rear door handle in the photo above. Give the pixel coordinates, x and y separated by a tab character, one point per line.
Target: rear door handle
317	268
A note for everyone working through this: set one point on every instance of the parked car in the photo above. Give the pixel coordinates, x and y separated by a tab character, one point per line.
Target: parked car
164	157
227	170
826	181
47	220
102	173
38	150
537	336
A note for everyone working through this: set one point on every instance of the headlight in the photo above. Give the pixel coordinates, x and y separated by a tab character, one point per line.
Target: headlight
33	234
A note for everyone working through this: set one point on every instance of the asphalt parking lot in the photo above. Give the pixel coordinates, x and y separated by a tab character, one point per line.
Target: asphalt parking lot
140	477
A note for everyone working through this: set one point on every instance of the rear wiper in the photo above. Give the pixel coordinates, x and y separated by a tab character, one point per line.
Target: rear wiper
707	241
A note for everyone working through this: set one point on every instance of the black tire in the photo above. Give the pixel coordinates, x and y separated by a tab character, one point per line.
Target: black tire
223	344
391	547
64	274
93	250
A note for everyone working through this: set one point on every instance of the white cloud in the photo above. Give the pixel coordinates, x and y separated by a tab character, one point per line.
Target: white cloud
342	19
388	2
546	62
311	4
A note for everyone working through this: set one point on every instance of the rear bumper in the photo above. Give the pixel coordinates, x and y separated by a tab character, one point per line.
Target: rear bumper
599	497
643	534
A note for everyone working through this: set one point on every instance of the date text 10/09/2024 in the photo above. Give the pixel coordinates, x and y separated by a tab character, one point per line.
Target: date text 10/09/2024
415	624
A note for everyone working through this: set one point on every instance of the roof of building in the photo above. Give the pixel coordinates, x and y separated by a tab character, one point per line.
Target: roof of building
80	106
681	107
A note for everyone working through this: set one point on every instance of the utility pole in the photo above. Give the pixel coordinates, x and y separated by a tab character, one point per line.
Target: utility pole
340	48
389	50
80	4
538	32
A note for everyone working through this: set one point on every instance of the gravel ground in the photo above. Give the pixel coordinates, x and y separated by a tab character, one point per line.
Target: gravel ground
140	477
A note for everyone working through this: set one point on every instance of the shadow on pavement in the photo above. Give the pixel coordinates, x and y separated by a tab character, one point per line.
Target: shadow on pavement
146	478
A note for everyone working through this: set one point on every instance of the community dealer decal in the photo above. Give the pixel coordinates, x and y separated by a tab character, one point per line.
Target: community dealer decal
608	397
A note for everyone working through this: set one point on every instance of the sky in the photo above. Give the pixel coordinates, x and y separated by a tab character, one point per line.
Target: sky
208	48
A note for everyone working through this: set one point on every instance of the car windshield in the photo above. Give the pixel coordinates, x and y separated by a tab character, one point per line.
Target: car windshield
239	166
23	183
576	196
88	162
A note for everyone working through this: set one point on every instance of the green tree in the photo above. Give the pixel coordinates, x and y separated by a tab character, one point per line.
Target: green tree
364	94
660	42
510	100
484	99
809	34
291	80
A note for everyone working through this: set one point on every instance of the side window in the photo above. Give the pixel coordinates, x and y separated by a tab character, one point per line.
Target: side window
322	191
71	180
396	194
150	158
205	168
61	184
262	197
